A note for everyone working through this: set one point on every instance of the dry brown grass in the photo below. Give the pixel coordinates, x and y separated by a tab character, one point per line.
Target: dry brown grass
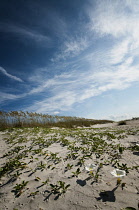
20	119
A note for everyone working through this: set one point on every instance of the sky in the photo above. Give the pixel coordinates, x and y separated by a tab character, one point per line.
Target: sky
70	58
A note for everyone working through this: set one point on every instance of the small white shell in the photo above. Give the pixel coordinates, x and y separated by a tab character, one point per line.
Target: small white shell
118	173
90	167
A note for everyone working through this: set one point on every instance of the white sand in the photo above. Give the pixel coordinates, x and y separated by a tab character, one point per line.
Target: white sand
83	194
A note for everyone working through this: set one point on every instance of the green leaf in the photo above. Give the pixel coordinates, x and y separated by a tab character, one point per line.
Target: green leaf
129	208
67	186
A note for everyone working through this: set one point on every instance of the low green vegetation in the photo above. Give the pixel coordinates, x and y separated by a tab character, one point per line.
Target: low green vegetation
18	188
30	154
59	188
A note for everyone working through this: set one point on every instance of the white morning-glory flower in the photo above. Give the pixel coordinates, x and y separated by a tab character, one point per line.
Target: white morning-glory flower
90	167
118	173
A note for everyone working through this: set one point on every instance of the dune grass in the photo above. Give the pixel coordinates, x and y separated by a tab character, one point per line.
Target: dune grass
19	119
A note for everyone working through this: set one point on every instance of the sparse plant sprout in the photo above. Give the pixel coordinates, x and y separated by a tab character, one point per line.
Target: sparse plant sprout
123	185
54	157
37	151
123	167
63	187
69	166
121	149
64	142
11	165
46	153
95	174
135	147
77	172
91	173
18	188
45	182
17	174
49	166
37	178
34	193
41	166
81	161
101	165
54	188
72	155
59	188
13	151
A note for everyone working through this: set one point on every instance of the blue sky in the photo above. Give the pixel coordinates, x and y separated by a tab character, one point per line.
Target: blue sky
72	58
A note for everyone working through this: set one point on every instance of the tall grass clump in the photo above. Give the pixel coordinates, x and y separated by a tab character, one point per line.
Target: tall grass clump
20	119
123	122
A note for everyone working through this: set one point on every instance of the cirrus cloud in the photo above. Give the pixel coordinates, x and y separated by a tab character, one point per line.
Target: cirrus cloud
9	75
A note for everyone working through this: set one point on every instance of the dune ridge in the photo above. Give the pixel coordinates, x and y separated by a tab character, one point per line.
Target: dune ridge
44	168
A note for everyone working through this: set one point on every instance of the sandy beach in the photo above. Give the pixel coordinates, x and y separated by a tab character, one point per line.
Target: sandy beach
46	168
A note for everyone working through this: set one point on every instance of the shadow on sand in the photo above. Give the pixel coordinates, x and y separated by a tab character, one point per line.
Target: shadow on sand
107	196
136	153
50	193
81	182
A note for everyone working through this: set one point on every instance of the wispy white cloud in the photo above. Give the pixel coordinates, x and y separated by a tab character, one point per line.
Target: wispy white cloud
116	18
30	34
7	96
119	19
75	46
119	51
71	48
97	69
55	22
75	87
65	90
61	101
9	75
24	32
124	116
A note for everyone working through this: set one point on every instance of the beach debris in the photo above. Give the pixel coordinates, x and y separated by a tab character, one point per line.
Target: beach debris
90	167
118	174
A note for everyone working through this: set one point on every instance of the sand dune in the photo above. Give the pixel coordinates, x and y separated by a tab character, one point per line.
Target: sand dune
45	168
